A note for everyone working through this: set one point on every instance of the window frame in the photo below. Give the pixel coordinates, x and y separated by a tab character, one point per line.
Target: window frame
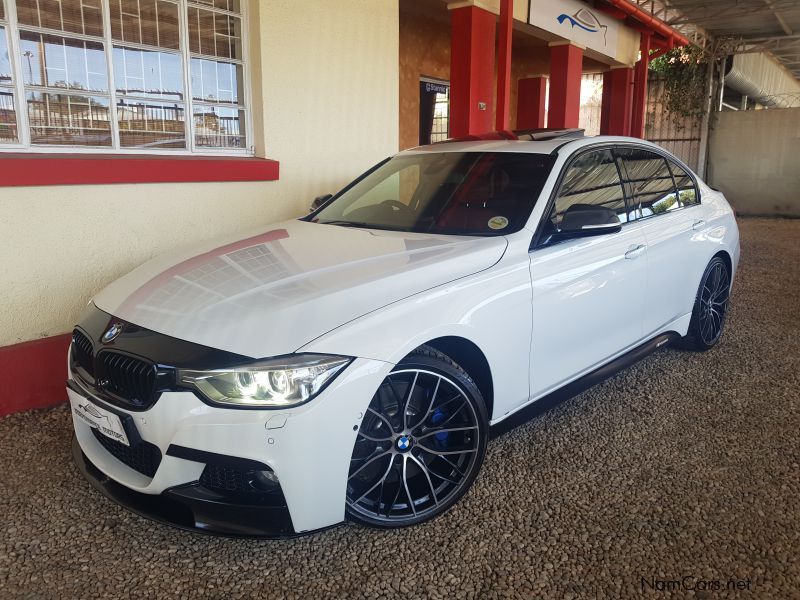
25	147
624	166
576	158
13	55
671	162
613	146
668	158
437	81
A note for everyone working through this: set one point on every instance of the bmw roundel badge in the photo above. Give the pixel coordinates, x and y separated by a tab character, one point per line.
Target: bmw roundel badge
112	333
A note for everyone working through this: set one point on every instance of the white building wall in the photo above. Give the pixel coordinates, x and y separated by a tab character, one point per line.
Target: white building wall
325	96
754	159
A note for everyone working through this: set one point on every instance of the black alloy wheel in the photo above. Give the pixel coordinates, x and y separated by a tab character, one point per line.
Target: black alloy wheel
710	307
420	445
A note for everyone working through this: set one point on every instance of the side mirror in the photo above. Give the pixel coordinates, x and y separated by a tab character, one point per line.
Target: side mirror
582	220
319	201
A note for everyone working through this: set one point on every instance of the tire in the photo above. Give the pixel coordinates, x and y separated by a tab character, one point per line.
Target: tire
710	307
412	464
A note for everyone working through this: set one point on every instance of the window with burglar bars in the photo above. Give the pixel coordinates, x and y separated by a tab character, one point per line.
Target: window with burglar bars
441	117
148	75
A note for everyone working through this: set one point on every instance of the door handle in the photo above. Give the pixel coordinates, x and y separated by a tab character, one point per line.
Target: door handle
635	252
698	224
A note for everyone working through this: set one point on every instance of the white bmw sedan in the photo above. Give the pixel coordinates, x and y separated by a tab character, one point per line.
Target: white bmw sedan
350	364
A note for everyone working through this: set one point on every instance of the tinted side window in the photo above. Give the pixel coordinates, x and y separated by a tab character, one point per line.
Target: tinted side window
687	192
592	179
649	182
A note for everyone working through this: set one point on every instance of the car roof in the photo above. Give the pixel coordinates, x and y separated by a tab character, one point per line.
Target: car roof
561	144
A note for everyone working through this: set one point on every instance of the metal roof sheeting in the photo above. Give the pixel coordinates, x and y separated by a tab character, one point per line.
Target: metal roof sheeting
759	25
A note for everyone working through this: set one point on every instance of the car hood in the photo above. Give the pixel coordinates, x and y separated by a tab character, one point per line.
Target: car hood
275	290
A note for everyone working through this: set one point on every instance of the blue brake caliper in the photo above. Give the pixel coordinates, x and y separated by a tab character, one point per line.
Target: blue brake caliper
438	417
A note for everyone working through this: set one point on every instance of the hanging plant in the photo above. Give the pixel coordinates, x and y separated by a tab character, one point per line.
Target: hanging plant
683	71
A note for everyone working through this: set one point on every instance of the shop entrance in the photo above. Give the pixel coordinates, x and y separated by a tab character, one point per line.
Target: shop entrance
434	110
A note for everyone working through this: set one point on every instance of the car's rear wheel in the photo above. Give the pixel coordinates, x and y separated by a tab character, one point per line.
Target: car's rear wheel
420	445
710	307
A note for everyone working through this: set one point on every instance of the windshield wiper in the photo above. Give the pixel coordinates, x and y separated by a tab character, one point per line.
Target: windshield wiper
344	223
359	224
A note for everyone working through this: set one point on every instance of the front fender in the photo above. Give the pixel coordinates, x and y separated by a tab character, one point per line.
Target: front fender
492	309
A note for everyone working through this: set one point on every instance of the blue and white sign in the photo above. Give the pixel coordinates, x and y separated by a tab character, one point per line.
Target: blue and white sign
578	22
439	88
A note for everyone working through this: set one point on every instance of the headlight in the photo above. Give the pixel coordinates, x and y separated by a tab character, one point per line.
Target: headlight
277	382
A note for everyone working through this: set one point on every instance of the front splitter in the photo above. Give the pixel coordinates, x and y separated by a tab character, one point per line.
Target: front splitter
194	508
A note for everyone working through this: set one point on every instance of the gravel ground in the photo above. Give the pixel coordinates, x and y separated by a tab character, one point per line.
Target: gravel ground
684	465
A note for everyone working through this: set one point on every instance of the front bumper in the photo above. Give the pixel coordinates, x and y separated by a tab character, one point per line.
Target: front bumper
308	448
192	507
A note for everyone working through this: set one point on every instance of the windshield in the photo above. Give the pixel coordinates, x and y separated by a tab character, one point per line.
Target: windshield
464	193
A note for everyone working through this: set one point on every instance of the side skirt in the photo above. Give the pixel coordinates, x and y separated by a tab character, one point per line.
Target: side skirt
581	384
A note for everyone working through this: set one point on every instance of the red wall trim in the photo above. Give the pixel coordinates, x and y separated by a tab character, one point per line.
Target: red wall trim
87	169
33	374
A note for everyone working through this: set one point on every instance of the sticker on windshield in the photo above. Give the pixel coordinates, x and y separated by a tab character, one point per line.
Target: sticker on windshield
498	223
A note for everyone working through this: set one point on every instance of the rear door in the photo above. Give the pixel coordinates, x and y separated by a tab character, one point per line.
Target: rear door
665	203
587	292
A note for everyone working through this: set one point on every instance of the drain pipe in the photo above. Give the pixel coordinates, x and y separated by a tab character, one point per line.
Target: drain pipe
722	66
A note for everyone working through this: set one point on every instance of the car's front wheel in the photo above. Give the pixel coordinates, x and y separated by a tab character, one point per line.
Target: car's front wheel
420	445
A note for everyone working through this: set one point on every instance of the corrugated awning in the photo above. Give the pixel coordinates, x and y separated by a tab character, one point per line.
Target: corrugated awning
758	25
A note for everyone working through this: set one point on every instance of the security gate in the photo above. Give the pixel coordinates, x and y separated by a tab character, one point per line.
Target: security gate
677	134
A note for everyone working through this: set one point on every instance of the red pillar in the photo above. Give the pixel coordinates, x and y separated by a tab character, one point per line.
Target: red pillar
531	95
566	68
640	88
471	70
615	109
504	66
